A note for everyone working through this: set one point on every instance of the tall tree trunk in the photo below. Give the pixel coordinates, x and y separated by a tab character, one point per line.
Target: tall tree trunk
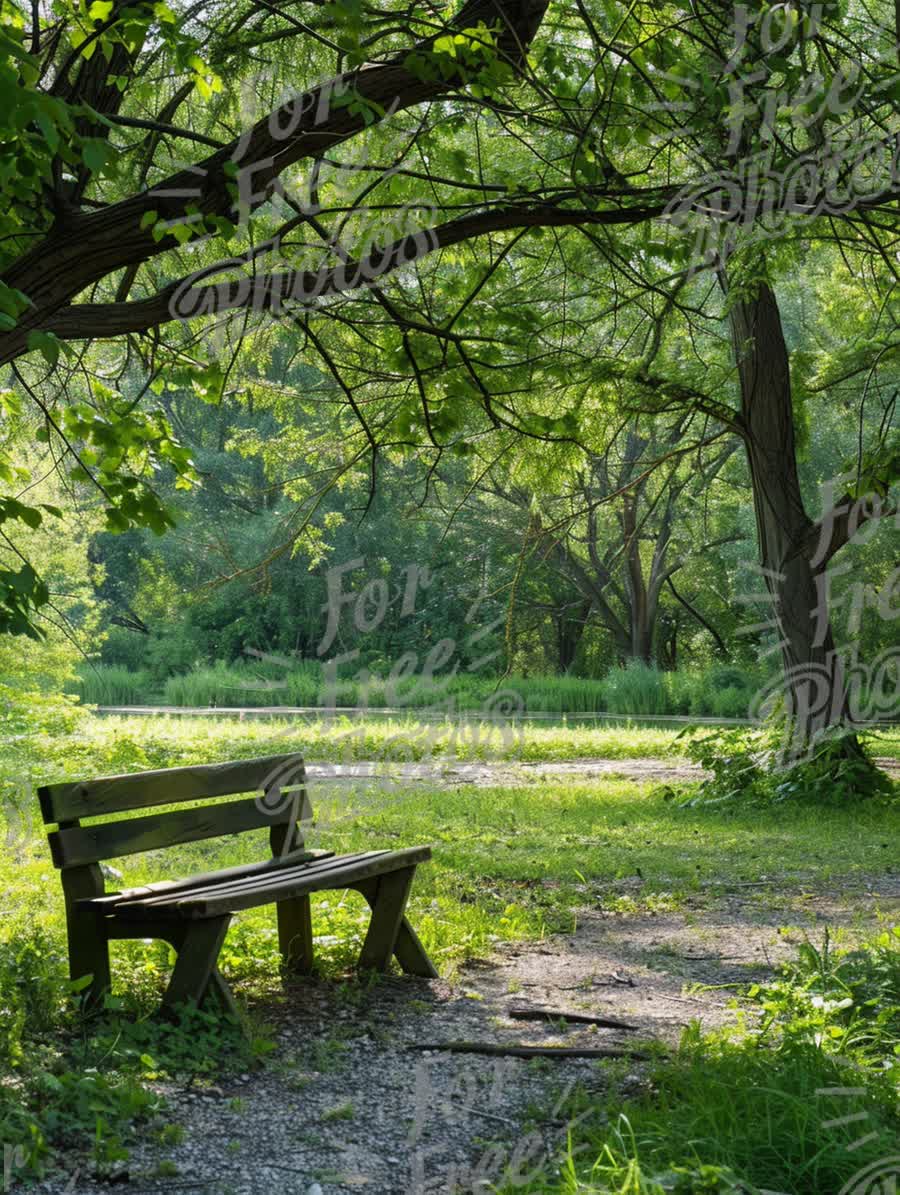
814	687
643	609
570	624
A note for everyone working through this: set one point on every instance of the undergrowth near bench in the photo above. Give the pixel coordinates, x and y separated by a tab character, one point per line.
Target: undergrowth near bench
511	863
800	1099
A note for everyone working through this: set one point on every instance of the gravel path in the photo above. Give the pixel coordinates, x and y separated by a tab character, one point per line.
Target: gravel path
503	772
345	1105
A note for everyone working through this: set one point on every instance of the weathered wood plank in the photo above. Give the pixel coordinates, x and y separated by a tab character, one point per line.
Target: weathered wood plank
411	954
295	934
88	945
207	878
167	931
408	950
251	883
196	963
387	913
294	916
168	786
341	872
89	844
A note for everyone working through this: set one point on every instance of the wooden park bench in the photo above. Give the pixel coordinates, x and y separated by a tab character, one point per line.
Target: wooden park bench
193	914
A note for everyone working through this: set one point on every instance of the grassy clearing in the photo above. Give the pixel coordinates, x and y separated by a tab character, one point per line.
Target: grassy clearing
511	863
100	745
93	746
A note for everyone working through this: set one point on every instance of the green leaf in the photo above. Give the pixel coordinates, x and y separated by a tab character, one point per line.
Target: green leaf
95	153
181	232
79	39
46	344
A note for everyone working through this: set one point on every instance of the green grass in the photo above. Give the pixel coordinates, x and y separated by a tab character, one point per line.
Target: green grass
510	863
107	743
112	684
718	690
802	1100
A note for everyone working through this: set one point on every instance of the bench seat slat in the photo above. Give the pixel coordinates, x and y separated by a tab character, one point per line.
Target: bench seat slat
230	886
112	840
169	786
337	872
204	879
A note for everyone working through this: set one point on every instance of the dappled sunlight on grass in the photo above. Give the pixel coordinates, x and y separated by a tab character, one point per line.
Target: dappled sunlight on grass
511	863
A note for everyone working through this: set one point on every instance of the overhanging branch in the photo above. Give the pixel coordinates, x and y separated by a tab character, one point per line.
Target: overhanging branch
191	297
88	247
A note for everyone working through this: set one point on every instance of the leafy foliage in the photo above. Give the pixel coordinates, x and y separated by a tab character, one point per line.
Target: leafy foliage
753	765
779	1108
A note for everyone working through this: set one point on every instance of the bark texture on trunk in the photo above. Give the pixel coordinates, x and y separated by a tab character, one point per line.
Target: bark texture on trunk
814	687
570	624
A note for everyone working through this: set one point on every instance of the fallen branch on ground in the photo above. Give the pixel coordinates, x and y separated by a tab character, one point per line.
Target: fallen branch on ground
514	1051
523	1012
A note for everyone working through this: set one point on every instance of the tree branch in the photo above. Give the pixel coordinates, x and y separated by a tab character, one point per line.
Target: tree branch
87	247
189	297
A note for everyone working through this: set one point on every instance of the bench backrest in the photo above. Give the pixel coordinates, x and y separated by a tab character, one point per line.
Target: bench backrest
280	805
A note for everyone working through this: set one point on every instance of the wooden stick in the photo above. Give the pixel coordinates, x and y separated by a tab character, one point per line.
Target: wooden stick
514	1051
524	1012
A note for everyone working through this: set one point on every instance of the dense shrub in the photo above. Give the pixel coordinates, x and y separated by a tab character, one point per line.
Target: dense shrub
761	764
635	689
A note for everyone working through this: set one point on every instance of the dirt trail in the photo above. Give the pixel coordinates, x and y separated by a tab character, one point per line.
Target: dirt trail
506	772
346	1105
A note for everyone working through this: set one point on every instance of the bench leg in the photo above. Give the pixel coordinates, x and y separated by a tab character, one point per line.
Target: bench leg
408	950
295	936
387	896
411	954
195	966
218	989
294	916
89	955
86	932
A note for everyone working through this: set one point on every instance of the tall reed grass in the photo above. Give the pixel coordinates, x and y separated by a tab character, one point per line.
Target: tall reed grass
723	691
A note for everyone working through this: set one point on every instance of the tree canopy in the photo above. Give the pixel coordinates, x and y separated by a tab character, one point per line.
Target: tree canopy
476	229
